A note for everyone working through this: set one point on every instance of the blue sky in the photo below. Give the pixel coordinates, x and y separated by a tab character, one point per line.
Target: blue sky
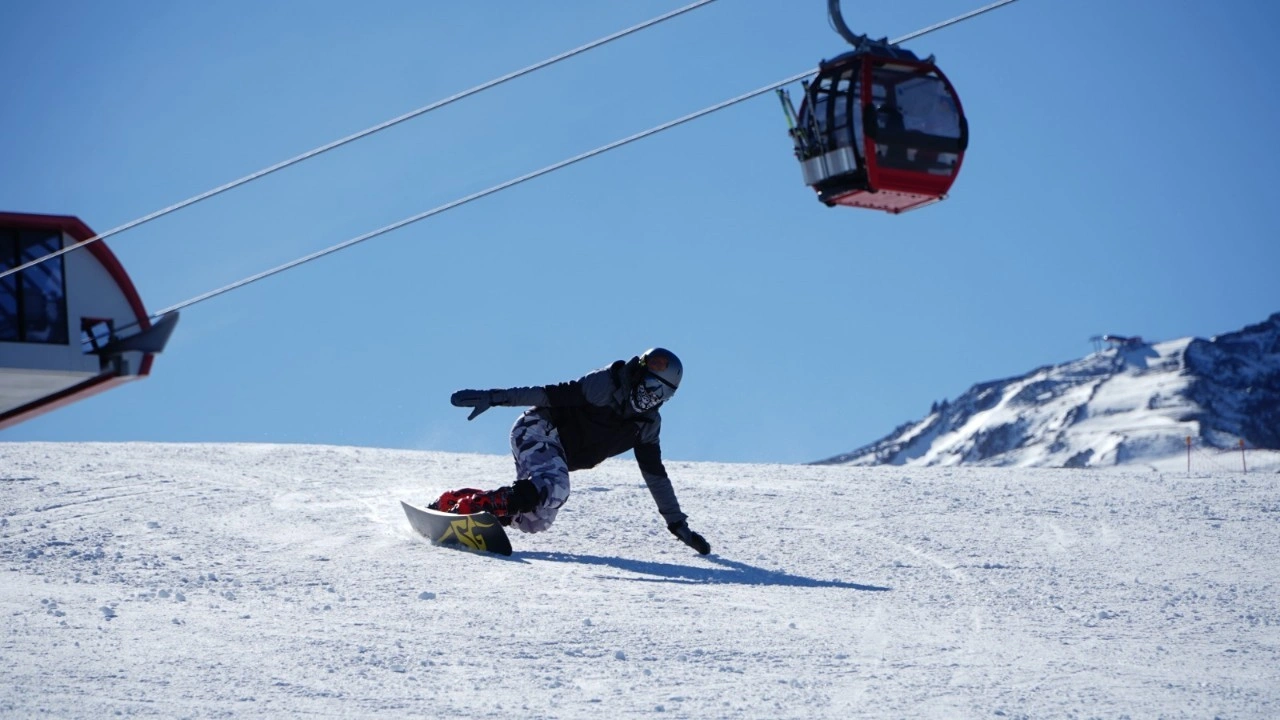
1118	180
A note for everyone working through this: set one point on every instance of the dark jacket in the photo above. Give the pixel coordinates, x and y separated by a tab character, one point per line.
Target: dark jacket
594	417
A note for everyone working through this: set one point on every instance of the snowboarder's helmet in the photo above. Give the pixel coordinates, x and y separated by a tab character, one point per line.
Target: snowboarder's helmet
660	380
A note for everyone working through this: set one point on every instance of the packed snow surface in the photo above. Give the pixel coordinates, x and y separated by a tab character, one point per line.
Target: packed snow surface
276	580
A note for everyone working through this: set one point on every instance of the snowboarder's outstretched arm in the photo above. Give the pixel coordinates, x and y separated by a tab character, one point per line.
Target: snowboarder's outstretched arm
481	400
649	457
596	388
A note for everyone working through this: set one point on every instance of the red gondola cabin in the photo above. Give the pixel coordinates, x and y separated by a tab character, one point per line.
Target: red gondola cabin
880	128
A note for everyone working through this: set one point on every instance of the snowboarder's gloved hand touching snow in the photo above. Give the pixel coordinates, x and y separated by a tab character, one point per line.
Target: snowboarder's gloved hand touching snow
481	400
689	537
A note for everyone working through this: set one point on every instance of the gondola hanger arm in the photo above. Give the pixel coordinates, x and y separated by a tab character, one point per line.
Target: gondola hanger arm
837	22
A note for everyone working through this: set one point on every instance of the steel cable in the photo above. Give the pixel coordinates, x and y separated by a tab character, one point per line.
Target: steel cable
356	136
549	169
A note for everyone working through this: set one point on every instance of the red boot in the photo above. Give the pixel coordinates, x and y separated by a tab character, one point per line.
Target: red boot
495	502
450	498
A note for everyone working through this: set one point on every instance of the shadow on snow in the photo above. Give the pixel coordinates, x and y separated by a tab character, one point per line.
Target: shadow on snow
728	572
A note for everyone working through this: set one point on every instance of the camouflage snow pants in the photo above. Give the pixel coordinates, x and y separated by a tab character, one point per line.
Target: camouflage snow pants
535	444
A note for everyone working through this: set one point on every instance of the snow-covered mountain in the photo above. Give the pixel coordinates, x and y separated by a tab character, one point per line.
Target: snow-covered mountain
1133	402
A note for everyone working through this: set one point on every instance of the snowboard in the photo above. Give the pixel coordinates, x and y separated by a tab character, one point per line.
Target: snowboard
479	531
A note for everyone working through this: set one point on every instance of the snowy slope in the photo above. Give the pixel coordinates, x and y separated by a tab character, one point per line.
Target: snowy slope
1136	403
270	581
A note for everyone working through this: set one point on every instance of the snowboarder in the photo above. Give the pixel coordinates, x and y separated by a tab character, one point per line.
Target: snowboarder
577	425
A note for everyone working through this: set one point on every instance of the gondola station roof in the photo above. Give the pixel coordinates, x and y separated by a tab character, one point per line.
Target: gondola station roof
71	326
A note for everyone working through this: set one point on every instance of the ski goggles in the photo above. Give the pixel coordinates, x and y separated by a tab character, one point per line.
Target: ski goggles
651	392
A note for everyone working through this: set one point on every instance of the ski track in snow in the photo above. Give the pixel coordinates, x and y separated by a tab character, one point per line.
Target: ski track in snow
280	580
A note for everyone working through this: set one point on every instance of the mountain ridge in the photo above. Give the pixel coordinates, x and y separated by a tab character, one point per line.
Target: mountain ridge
1129	403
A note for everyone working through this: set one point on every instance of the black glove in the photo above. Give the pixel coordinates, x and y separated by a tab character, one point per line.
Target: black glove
481	400
689	537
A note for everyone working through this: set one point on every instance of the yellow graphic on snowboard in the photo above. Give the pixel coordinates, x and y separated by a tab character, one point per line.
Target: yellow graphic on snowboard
464	529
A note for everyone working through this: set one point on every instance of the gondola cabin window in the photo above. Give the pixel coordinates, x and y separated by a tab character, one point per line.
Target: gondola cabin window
33	302
918	126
